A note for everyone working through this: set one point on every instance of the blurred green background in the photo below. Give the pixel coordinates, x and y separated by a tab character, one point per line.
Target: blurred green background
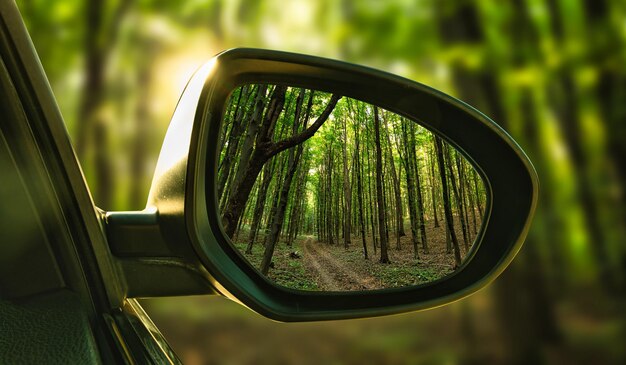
552	73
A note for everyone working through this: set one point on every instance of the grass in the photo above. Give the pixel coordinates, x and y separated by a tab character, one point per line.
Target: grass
287	271
350	270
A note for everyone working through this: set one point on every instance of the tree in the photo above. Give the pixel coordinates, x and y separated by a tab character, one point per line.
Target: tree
396	187
100	37
359	184
278	216
263	150
418	189
408	146
346	187
446	201
384	258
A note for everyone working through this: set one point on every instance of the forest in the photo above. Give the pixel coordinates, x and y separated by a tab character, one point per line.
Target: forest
324	192
551	73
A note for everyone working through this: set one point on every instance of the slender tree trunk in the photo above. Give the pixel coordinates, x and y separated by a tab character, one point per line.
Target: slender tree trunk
455	191
446	202
409	172
396	188
418	190
472	204
359	184
279	215
384	258
238	127
297	205
433	188
268	173
477	191
330	223
347	189
372	205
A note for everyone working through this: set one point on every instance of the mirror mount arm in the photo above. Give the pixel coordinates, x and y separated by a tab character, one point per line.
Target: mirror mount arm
135	233
149	266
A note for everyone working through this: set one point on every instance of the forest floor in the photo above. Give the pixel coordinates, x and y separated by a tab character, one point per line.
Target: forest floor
312	265
330	272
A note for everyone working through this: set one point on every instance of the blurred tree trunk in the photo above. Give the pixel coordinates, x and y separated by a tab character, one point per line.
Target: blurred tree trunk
571	129
524	304
150	47
137	196
525	308
100	37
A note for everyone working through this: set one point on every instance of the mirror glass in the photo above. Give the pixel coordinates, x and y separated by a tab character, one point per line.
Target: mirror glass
323	192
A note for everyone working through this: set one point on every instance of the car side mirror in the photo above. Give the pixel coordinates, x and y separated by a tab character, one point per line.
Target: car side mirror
312	189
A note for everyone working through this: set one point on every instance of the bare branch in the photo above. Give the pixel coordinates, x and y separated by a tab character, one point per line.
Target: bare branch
280	146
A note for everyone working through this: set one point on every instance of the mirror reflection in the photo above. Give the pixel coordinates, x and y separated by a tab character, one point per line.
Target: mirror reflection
323	192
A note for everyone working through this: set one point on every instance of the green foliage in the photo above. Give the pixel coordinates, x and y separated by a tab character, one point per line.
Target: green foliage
514	69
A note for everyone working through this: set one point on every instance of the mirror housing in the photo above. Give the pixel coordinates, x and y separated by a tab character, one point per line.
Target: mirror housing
184	232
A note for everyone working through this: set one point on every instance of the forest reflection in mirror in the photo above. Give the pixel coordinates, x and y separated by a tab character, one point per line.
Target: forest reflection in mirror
323	192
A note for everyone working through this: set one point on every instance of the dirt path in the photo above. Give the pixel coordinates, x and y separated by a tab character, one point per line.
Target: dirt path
330	273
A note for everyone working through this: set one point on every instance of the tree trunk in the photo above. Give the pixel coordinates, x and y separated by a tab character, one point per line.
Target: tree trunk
446	202
410	187
455	191
384	258
433	187
418	190
396	189
347	189
264	150
268	173
278	218
359	184
99	39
